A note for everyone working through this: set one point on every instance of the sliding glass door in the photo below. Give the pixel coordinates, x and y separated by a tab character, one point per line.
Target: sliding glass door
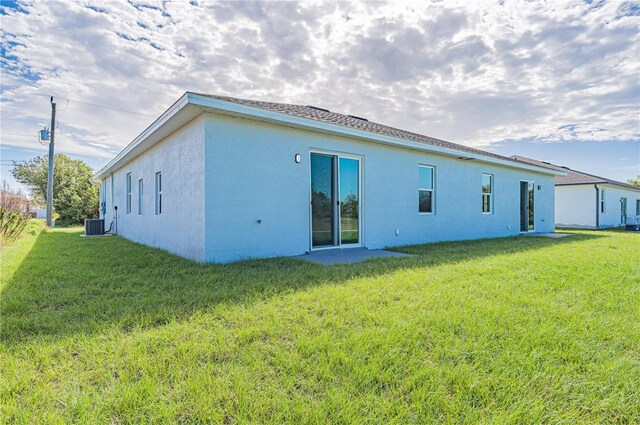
526	207
335	201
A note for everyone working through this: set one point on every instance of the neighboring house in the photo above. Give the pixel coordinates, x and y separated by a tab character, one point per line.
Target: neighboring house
219	179
587	201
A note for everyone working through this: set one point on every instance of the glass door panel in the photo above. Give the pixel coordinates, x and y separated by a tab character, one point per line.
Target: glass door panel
322	200
349	178
526	207
531	203
523	207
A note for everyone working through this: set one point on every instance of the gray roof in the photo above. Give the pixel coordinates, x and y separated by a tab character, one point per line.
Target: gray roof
574	177
351	121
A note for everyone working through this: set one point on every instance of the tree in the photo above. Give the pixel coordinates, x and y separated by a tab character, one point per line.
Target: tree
75	195
349	207
635	182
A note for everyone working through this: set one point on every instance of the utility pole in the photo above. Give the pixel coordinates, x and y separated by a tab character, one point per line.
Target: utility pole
50	177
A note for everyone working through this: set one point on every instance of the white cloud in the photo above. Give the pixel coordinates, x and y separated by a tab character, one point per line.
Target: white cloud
470	72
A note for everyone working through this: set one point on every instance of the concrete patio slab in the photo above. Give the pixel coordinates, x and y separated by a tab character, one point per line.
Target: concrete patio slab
548	235
328	257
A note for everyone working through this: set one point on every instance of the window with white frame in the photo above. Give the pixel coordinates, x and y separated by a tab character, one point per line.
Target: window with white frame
158	193
487	193
638	207
128	193
426	189
140	195
602	200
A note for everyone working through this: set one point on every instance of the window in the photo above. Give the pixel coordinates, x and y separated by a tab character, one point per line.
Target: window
425	190
140	194
158	193
638	207
602	198
128	193
487	193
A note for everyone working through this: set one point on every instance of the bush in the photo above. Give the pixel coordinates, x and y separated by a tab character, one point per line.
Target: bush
12	222
15	211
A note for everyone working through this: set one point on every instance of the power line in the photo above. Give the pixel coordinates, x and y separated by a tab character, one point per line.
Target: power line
66	107
111	108
18	134
93	104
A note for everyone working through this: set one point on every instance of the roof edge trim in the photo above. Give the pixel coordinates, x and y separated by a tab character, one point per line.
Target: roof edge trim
231	108
610	183
254	112
177	106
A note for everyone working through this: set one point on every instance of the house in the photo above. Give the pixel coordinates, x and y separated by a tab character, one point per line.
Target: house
220	179
587	201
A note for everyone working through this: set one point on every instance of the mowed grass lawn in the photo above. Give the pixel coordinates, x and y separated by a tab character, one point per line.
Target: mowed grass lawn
517	330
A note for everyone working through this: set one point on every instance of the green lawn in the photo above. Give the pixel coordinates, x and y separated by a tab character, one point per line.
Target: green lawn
518	330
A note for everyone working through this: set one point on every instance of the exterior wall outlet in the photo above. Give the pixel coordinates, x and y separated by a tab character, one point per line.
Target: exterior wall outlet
397	232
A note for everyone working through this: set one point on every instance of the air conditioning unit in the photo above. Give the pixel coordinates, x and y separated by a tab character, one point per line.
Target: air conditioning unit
93	227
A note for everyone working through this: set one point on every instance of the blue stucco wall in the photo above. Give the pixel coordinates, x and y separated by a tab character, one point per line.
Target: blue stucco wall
250	175
180	227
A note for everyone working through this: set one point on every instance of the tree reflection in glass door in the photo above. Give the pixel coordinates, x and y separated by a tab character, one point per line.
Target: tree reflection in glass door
349	179
322	200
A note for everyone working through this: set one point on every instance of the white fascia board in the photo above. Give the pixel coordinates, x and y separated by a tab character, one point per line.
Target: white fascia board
234	109
602	185
611	185
124	155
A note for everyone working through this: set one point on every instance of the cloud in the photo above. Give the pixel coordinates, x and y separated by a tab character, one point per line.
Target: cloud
476	73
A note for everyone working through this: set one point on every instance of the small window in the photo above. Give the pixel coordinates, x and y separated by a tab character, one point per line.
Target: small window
128	193
487	193
158	193
425	189
140	195
602	201
638	207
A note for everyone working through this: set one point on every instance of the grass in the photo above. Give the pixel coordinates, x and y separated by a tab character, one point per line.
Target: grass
323	232
518	330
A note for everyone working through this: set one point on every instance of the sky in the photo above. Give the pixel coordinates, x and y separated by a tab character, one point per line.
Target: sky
558	81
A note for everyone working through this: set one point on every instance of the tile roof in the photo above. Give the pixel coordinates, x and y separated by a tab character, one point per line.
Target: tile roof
574	177
351	121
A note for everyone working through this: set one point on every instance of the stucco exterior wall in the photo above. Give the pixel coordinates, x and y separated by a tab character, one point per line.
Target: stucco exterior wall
180	227
576	206
251	175
612	212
